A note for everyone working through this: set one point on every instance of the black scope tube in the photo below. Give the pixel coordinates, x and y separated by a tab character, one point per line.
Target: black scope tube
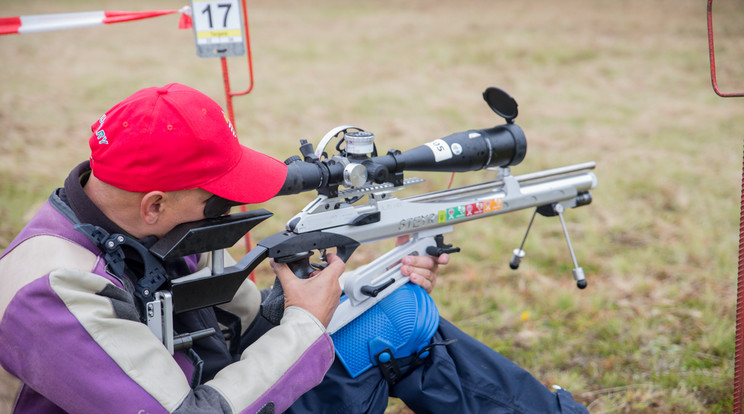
500	146
307	176
473	150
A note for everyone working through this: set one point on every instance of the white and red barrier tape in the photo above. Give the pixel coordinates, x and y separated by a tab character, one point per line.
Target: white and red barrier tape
61	21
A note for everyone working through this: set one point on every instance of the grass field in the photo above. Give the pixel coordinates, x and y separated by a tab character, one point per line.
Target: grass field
623	83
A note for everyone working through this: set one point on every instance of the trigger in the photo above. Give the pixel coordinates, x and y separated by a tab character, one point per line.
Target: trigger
299	263
319	266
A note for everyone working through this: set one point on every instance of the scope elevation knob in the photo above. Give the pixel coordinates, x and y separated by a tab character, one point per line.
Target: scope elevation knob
359	143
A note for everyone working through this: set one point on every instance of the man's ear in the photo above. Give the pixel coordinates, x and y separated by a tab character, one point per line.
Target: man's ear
151	206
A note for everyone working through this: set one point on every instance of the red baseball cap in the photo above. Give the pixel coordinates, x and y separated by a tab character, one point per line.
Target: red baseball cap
176	138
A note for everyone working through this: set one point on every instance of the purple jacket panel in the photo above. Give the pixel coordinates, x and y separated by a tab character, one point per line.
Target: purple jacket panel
30	401
294	382
60	365
48	221
47	362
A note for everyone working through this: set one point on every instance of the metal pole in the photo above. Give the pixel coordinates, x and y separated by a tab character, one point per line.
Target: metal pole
229	95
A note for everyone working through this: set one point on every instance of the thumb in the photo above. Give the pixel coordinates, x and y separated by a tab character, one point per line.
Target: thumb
283	272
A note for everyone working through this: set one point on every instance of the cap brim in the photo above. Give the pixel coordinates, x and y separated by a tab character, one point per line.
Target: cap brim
254	179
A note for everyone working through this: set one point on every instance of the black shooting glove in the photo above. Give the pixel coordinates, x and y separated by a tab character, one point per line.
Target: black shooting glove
272	307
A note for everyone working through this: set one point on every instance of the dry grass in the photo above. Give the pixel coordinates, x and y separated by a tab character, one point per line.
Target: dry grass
624	83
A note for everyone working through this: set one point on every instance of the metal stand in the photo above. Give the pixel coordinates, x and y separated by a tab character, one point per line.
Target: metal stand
550	210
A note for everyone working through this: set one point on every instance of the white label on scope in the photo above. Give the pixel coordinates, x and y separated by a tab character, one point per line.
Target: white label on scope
440	149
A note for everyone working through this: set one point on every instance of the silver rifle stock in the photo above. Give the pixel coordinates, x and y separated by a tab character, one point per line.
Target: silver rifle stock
424	216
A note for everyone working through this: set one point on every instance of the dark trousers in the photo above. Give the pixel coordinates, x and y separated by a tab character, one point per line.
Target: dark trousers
464	376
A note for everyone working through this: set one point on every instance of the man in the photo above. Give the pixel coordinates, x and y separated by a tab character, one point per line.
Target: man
71	333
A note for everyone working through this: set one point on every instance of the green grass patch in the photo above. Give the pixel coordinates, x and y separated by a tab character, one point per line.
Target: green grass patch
625	84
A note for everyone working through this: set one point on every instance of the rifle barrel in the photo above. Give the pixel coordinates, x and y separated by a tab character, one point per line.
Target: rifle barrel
490	185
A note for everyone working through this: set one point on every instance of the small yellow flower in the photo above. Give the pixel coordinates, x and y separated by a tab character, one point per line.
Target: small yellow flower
525	316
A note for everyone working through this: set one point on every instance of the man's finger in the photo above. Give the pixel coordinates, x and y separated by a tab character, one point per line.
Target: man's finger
426	283
283	272
443	259
422	262
335	267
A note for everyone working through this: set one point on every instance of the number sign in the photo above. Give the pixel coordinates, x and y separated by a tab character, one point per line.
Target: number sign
218	27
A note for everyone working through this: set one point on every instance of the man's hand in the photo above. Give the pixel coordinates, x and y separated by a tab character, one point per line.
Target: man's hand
422	270
319	294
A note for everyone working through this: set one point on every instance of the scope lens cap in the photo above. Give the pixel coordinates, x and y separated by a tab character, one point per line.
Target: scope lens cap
501	102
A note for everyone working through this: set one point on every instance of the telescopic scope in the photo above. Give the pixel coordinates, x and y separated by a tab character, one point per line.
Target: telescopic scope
500	146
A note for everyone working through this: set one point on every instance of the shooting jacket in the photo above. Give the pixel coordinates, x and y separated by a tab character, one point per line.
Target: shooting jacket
71	339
